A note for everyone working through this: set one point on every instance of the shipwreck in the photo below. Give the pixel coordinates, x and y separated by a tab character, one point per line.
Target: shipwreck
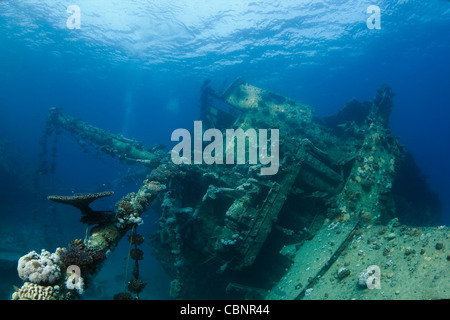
337	205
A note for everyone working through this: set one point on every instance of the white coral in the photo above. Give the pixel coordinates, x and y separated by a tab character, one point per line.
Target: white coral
40	269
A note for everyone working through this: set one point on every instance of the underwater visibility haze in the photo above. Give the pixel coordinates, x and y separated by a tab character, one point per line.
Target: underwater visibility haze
92	92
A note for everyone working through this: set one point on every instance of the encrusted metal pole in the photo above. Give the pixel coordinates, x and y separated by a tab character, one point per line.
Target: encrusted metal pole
115	145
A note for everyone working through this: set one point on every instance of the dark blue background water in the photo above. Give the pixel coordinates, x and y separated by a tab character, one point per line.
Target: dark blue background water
136	68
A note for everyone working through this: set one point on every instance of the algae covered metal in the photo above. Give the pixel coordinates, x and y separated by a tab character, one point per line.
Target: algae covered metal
229	231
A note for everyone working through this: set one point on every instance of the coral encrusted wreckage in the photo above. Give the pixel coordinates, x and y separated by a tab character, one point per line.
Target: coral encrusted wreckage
82	202
334	222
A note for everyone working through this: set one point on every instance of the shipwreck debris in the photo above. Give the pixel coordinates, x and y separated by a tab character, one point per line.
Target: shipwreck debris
82	202
115	145
221	228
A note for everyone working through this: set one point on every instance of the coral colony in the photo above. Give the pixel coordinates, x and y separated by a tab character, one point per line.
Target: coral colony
213	152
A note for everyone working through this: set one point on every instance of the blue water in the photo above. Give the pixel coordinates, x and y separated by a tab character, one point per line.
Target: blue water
136	67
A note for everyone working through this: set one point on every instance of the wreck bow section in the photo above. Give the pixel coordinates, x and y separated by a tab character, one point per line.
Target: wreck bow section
226	234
